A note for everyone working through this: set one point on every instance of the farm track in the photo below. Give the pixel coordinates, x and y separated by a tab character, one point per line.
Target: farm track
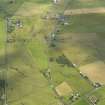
85	11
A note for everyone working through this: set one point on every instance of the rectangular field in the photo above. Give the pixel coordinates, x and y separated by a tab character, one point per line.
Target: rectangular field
87	23
95	71
82	48
2	41
86	4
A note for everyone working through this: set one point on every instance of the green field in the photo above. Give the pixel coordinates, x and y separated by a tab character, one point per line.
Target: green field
2	40
88	23
86	3
29	52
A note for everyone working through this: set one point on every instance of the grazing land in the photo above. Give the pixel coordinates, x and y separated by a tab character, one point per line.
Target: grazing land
52	52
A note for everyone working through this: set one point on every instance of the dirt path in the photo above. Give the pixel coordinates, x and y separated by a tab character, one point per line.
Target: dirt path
84	11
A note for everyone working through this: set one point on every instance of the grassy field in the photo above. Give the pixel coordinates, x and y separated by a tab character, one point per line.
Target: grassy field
85	23
30	57
2	41
82	48
99	94
86	4
26	85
